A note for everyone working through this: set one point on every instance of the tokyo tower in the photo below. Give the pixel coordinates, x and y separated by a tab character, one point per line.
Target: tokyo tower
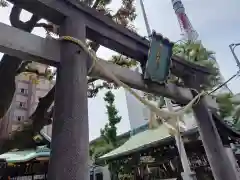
190	34
186	27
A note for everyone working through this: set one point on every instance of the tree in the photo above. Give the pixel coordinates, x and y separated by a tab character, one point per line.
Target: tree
236	114
228	107
109	139
196	53
12	66
99	146
109	133
9	66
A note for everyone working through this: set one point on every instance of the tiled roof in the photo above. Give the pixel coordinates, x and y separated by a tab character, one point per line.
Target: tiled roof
139	141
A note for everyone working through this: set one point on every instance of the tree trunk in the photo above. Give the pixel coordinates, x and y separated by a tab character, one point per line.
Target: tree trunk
9	64
8	69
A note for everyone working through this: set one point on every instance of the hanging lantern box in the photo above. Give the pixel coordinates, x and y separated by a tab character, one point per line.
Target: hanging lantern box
159	59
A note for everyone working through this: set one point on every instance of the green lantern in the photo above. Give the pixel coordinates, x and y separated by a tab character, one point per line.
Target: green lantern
159	59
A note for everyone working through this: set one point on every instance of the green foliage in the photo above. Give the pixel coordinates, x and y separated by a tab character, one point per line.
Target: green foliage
228	107
125	16
236	116
108	140
100	147
101	150
195	52
109	133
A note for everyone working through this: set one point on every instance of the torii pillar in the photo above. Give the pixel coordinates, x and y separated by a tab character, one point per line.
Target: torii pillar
70	137
215	151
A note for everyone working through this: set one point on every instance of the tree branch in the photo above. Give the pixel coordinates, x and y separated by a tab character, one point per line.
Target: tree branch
39	117
24	138
20	140
8	70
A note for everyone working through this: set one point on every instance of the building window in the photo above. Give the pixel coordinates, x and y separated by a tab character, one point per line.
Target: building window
91	177
99	176
23	91
20	118
22	104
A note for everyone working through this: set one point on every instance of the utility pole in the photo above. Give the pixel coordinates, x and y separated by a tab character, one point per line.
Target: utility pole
232	47
145	18
70	137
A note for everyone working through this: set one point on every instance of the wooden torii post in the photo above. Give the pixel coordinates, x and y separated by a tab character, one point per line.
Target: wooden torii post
70	141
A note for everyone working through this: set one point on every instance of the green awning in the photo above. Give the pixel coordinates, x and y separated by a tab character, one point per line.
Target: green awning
139	141
26	155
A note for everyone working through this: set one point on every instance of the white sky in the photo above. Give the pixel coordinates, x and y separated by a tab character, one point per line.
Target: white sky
216	21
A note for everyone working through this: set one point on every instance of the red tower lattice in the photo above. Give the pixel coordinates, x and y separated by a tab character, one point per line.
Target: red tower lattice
188	31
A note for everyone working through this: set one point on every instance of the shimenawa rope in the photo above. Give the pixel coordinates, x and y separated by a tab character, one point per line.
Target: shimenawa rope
161	113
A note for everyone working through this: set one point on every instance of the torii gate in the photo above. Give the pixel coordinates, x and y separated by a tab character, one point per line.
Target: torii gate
70	141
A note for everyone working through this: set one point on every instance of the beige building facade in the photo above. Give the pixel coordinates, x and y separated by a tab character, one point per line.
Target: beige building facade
29	88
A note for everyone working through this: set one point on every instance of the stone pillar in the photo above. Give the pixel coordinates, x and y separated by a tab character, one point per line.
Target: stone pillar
213	146
70	135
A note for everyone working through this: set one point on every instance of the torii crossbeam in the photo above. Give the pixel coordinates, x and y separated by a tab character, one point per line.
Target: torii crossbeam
70	141
31	47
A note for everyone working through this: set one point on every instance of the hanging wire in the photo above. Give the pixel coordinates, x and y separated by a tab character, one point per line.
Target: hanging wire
223	84
149	35
220	86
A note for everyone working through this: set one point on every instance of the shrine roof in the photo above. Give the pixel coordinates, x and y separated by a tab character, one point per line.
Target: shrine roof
150	137
25	155
139	141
